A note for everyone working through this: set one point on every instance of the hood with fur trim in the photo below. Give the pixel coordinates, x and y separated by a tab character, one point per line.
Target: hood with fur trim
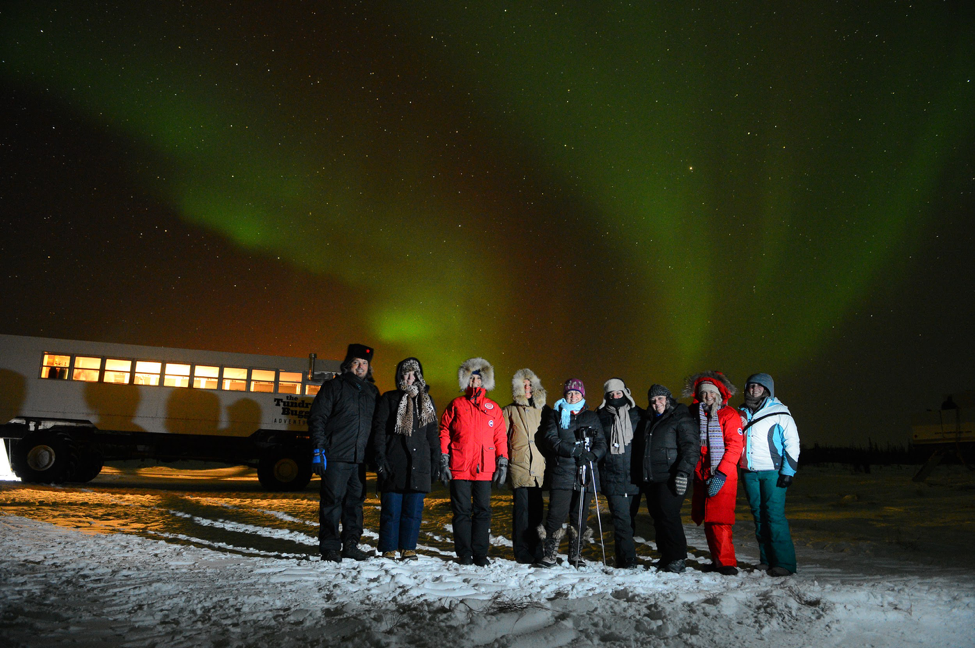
472	365
518	388
717	378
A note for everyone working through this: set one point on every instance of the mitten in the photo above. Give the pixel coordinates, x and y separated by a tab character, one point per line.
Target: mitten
318	462
445	475
715	483
502	471
680	484
784	481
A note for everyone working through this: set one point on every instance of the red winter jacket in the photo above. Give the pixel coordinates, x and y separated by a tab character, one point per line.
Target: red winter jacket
473	432
720	508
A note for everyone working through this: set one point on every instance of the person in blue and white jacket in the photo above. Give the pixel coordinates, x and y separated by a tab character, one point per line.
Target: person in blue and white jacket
768	465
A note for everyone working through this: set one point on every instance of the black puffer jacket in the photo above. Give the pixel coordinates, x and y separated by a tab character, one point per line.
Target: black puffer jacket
671	443
340	419
619	474
562	468
410	460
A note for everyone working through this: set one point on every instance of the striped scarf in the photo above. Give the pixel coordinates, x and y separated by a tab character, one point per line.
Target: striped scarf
711	437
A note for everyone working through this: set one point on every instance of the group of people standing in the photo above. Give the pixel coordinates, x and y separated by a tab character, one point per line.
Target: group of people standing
619	449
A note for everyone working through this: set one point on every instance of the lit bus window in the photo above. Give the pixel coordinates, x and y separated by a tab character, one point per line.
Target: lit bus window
262	380
206	377
86	369
117	372
289	382
147	373
311	390
55	367
177	375
234	379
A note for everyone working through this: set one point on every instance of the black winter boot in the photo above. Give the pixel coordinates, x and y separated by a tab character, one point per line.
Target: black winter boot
575	548
354	552
550	548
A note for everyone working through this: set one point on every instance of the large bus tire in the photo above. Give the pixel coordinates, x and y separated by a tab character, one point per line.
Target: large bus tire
284	469
45	456
90	463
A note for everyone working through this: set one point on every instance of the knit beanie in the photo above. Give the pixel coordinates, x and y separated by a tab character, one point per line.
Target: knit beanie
707	385
574	384
658	390
358	351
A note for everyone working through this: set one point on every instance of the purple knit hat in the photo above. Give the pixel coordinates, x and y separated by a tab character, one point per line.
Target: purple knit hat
574	384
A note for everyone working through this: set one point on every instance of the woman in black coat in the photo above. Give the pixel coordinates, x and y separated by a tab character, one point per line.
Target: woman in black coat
620	479
566	427
671	446
406	447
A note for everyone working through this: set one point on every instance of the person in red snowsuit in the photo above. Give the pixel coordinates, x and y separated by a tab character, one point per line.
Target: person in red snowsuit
474	446
716	474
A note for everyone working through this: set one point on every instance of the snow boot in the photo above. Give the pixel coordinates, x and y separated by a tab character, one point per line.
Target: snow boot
390	555
550	547
779	571
672	567
575	548
332	555
482	561
727	570
354	552
408	554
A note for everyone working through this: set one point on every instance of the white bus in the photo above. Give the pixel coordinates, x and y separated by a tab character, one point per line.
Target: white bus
67	406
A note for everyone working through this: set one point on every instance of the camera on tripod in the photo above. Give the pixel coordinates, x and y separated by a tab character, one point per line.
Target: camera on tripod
584	435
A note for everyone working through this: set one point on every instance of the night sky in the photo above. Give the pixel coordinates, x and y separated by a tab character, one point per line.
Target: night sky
586	189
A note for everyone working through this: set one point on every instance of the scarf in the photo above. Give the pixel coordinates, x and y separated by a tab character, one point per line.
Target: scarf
406	412
622	434
711	436
567	411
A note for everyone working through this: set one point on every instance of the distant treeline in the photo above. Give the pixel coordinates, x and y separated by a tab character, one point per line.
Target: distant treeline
874	454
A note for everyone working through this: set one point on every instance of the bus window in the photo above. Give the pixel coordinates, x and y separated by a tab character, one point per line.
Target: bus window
177	375
118	371
289	382
86	369
234	379
206	377
262	380
55	367
311	390
147	373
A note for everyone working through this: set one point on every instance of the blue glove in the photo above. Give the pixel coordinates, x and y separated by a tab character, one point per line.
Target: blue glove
318	462
502	471
715	483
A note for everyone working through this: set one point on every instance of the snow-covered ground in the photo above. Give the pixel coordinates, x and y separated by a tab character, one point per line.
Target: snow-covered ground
163	557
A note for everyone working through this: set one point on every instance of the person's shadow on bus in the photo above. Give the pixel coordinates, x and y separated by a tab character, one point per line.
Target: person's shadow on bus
114	406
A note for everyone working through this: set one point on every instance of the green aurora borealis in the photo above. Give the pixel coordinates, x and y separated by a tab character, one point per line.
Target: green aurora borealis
582	188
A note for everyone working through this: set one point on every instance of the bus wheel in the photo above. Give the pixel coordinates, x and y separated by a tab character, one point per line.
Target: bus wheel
90	464
284	469
45	456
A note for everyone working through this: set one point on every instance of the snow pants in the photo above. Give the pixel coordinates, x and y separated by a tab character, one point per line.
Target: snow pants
527	515
399	520
623	509
719	542
471	503
767	502
343	491
664	507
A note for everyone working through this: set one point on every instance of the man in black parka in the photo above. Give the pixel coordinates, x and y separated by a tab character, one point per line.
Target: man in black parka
339	423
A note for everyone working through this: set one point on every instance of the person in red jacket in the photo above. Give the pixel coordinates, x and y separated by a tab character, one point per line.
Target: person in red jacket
474	446
716	474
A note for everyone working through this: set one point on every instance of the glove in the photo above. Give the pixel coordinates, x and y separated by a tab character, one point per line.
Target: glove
680	484
578	449
502	471
588	457
784	481
318	462
382	472
445	475
715	483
